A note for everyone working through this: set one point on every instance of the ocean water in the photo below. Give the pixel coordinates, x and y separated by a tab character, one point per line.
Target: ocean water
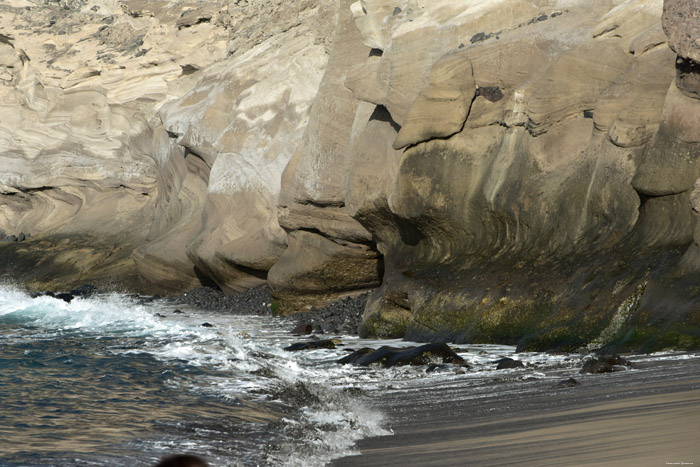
110	381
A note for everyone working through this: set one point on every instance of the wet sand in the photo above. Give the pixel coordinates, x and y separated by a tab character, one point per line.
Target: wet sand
649	416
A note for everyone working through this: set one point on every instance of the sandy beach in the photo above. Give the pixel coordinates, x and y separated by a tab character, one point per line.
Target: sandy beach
648	416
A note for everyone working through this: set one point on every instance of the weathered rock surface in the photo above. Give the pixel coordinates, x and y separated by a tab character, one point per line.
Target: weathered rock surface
132	129
529	213
390	356
523	172
508	363
604	364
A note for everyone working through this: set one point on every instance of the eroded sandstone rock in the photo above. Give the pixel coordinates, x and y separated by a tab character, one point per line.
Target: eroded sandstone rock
511	171
146	124
493	214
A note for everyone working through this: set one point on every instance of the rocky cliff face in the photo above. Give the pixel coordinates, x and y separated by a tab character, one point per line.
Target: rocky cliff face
143	141
512	171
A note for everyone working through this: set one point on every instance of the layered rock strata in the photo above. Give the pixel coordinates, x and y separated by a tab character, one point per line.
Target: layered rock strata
131	131
524	168
503	171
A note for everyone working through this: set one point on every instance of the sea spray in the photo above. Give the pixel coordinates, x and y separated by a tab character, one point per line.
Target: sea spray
114	379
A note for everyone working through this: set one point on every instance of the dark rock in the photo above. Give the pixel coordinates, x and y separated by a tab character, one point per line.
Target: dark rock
11	238
490	93
441	367
84	291
396	11
181	460
390	356
302	328
177	312
340	317
21	237
65	296
568	383
207	325
604	364
506	363
257	301
542	17
587	114
478	37
160	315
317	344
688	77
555	14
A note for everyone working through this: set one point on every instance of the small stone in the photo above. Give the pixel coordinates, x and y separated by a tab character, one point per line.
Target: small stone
478	37
66	297
207	325
604	364
302	328
311	345
568	383
507	363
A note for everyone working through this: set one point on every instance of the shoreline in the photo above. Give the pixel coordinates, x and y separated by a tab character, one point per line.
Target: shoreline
648	416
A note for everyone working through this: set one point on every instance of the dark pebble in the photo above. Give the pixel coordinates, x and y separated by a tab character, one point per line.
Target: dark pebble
604	364
302	328
568	383
340	317
318	344
506	363
257	301
66	297
478	37
207	325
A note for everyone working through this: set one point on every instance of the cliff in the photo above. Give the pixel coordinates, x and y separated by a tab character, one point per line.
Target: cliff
498	171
